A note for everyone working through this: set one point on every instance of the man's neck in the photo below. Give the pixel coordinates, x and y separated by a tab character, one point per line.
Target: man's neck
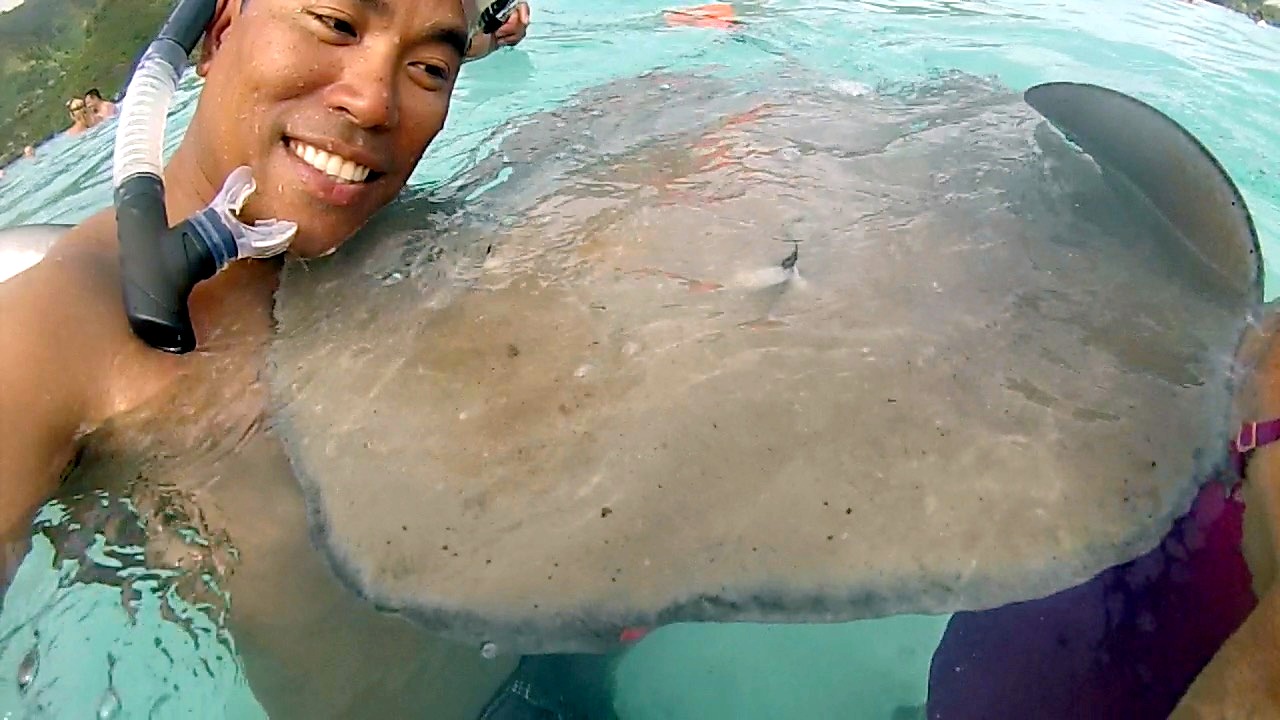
242	290
188	186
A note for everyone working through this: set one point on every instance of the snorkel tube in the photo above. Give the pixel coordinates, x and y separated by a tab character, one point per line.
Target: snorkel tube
494	15
160	265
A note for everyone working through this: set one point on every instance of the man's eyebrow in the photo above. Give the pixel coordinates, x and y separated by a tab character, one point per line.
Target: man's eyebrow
449	34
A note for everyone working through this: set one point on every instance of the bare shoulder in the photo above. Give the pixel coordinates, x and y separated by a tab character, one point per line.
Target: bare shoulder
58	342
65	335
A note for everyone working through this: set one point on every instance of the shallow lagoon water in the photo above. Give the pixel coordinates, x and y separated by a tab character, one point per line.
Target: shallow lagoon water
1210	69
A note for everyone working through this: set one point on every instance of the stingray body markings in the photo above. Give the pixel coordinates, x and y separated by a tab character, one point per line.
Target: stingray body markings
1006	369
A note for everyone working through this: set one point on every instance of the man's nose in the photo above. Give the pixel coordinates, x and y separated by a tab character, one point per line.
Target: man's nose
365	90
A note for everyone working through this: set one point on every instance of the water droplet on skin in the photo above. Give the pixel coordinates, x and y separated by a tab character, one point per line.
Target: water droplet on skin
28	668
488	651
109	707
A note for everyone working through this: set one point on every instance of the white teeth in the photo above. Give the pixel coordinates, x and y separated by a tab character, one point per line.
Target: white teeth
332	165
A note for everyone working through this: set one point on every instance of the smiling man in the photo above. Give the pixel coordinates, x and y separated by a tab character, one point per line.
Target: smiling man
331	103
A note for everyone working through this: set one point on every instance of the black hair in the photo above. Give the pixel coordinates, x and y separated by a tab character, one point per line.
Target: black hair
93	92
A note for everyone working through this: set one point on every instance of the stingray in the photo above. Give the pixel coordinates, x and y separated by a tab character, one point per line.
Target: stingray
769	352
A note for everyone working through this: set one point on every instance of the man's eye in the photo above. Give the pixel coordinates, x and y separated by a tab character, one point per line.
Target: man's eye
433	70
336	24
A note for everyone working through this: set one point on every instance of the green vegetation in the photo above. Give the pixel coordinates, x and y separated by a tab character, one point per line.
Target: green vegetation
52	50
1270	13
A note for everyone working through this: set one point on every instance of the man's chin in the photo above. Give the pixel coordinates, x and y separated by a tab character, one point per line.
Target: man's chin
318	235
310	247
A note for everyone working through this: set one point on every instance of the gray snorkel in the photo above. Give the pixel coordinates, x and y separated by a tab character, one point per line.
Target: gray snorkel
160	265
494	15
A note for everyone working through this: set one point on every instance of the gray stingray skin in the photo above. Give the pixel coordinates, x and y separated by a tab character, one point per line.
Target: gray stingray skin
591	398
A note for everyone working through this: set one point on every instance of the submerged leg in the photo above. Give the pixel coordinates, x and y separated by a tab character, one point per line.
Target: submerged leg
556	687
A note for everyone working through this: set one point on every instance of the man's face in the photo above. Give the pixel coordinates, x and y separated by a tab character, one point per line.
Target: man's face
92	103
331	102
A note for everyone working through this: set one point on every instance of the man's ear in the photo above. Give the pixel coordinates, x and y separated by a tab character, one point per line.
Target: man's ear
223	14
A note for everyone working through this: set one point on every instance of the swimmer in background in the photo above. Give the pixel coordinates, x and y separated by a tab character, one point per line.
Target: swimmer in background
366	82
717	16
99	109
1190	630
1243	678
81	118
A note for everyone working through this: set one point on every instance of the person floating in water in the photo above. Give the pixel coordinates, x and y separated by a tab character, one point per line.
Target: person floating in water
345	98
718	16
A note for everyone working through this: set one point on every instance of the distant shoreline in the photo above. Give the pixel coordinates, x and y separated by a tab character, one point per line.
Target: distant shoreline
52	50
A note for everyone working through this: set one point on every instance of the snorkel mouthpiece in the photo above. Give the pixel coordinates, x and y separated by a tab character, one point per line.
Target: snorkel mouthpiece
160	265
227	237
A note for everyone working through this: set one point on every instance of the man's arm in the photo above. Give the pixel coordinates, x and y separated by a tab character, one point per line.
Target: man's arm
57	338
40	404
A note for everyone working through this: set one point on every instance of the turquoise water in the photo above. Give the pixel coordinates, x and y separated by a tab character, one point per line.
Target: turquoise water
1210	69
